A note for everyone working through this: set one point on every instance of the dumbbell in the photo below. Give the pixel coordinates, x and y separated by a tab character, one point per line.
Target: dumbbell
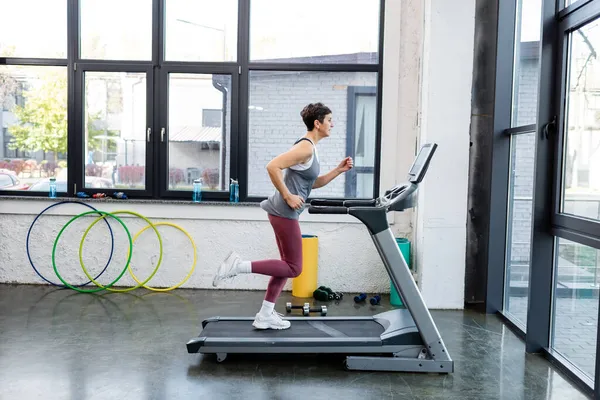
331	295
289	307
307	310
321	295
375	300
360	298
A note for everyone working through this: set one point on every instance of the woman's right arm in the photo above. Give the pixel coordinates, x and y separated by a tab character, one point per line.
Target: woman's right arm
296	155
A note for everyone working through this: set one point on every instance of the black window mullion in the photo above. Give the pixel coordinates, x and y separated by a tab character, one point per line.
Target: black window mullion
74	161
150	133
379	112
239	158
500	175
153	159
41	62
577	224
77	170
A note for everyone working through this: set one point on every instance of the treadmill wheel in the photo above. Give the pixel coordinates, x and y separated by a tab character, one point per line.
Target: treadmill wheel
306	310
221	357
289	307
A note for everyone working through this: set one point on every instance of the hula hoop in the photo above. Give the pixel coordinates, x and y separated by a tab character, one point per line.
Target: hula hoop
150	224
65	227
112	246
189	273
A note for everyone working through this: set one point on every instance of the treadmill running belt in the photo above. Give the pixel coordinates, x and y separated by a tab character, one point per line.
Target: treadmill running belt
304	329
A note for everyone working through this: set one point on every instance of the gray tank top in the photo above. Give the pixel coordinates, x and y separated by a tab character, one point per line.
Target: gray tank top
299	180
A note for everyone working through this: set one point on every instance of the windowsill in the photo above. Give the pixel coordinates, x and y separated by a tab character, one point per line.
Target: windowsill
128	200
157	208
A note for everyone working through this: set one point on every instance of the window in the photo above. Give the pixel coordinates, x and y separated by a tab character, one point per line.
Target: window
146	96
20	19
524	97
201	30
35	133
274	123
115	128
527	62
198	149
128	36
360	143
581	162
575	309
312	31
548	155
520	209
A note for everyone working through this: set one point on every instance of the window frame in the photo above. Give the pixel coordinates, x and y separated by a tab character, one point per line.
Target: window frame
163	145
548	223
156	69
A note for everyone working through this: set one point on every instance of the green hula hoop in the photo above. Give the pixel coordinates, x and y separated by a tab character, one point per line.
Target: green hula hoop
65	227
130	251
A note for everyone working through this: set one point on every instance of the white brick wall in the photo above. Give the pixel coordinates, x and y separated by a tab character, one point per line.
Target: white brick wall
274	123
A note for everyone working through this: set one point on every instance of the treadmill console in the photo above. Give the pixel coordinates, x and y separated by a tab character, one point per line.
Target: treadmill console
421	163
402	196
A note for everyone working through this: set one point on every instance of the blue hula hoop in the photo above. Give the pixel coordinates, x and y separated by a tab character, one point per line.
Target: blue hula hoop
112	238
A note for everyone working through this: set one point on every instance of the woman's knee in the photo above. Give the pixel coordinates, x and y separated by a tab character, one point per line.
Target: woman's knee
295	268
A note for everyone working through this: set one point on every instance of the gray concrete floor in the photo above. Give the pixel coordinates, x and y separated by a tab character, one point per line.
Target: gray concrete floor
59	344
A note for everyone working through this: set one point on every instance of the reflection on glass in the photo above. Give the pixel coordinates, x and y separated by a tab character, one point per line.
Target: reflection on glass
312	31
575	309
199	131
527	62
33	28
116	30
518	246
581	157
201	30
115	130
33	120
274	124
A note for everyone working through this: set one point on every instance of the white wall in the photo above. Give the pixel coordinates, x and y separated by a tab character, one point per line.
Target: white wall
426	97
348	260
445	117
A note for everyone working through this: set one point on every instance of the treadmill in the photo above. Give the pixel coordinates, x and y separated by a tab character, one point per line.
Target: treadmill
404	340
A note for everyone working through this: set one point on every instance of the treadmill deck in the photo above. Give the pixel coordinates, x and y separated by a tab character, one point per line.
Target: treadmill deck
330	334
299	329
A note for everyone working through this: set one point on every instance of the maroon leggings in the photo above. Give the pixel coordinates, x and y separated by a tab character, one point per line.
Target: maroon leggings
289	241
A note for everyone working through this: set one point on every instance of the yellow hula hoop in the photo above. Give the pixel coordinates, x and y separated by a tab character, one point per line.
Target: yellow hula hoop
150	225
189	273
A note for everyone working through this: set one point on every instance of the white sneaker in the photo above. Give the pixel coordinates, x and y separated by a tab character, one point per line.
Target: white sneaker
273	321
228	268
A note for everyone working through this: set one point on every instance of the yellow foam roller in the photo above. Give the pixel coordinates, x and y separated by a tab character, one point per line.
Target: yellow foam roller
306	283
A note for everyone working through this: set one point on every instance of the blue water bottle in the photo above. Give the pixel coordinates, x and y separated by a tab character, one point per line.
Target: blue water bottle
197	196
52	192
234	191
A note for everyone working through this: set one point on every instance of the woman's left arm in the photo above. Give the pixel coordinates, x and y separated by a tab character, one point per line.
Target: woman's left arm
345	165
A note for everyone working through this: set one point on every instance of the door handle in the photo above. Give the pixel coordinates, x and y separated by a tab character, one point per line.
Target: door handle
148	134
549	128
162	134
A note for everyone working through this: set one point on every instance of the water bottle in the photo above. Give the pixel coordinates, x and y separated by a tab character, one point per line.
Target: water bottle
52	193
197	197
234	191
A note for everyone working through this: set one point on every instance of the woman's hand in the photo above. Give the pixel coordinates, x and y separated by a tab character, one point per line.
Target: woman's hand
345	165
294	201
